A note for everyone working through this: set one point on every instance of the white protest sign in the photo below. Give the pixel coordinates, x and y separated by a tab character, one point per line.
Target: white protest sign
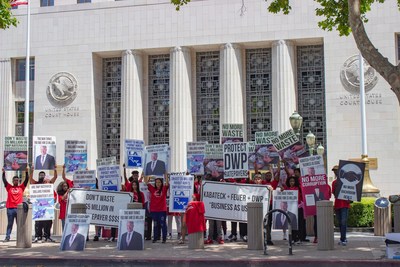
104	206
235	160
75	155
42	198
75	232
228	201
286	201
181	191
106	161
134	153
195	152
85	179
109	177
231	133
312	165
284	140
131	229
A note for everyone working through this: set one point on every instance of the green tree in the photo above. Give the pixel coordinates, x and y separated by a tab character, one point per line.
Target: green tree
6	17
345	16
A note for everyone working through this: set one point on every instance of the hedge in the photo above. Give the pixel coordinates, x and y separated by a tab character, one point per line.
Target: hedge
361	214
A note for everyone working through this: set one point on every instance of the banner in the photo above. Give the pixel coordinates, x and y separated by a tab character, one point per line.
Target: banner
131	229
15	153
195	154
42	199
350	180
106	161
109	177
314	188
85	179
289	147
181	191
134	153
265	152
235	160
75	232
232	133
228	201
288	202
214	161
156	160
75	155
103	206
44	151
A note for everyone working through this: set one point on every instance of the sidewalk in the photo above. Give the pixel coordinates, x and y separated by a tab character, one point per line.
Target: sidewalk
363	249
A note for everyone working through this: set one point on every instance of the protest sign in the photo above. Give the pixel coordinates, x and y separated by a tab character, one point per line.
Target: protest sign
265	152
42	199
156	160
289	148
85	179
103	206
15	153
134	153
75	155
44	151
76	231
181	191
228	201
350	180
214	161
286	201
314	188
195	152
231	133
235	160
131	229
106	161
109	177
312	165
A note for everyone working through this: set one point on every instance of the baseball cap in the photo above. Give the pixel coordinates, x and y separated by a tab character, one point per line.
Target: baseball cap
335	167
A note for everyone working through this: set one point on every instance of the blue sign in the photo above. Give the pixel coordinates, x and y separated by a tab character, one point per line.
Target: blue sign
180	203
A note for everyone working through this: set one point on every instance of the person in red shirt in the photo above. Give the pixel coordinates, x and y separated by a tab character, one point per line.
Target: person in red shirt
14	197
341	210
158	206
138	196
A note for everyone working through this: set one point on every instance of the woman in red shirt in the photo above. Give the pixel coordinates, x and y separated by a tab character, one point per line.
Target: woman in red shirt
137	195
62	192
158	207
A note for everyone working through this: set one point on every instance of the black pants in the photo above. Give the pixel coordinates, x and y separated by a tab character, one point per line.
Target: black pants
148	227
42	229
242	228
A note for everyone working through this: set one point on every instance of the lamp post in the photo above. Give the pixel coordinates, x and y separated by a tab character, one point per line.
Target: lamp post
310	139
320	150
295	122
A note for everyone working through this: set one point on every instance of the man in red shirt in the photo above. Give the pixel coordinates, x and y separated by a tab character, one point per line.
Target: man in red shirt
14	197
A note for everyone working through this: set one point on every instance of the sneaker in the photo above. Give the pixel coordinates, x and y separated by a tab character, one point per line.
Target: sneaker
35	240
298	242
111	239
342	243
179	236
284	236
232	237
269	243
164	241
169	236
244	238
208	242
49	240
315	240
154	240
95	238
305	240
220	241
7	239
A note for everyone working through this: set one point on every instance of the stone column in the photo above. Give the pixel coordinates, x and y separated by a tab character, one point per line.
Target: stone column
325	225
231	85
180	107
255	225
283	84
24	226
131	98
6	116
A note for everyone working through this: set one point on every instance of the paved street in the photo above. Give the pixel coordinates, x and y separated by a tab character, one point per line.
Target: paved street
363	249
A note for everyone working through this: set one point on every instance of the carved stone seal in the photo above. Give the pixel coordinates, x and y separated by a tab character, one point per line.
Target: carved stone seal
62	89
350	75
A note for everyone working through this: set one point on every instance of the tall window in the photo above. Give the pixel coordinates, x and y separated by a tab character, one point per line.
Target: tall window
258	91
207	94
398	47
19	126
311	91
84	1
46	2
111	107
159	99
20	72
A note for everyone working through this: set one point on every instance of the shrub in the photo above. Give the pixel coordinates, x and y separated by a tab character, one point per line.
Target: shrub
361	214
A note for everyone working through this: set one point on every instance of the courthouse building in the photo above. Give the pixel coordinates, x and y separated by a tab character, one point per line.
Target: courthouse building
106	70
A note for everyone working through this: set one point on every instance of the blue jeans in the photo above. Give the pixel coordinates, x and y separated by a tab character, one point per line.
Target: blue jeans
11	215
159	219
342	215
